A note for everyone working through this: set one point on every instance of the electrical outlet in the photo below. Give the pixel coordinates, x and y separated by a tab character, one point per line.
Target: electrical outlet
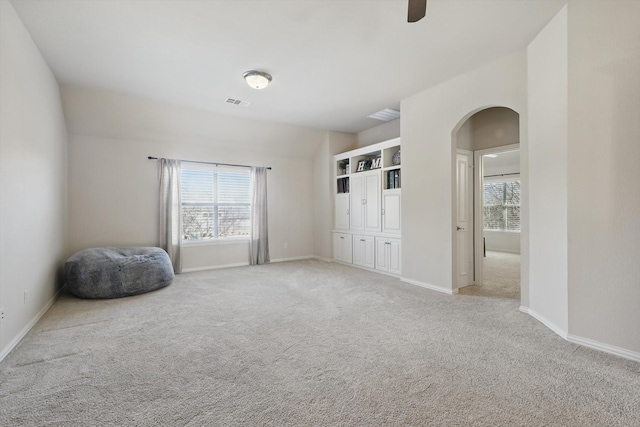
26	296
286	245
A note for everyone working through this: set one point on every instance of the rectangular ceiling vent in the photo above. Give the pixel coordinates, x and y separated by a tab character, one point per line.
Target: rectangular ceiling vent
385	115
237	102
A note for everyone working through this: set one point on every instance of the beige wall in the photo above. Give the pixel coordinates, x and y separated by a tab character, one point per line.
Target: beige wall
493	127
113	187
33	181
604	172
547	69
380	133
324	190
430	120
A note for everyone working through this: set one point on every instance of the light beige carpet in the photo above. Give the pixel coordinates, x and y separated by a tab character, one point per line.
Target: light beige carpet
306	344
501	279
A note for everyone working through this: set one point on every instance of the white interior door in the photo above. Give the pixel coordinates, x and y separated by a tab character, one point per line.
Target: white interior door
464	217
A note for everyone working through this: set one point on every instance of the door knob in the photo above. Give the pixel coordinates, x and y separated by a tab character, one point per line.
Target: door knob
460	228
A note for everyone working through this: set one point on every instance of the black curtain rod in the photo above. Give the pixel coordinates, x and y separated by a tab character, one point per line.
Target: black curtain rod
209	163
502	174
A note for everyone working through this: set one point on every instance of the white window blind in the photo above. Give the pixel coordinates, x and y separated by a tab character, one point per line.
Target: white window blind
216	203
501	201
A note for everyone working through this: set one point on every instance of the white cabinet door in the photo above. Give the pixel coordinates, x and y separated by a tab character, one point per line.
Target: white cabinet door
347	249
363	251
388	255
342	247
342	211
382	262
394	256
356	213
372	202
337	246
391	212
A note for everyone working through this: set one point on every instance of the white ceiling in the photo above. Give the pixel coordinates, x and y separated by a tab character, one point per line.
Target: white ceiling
507	160
333	62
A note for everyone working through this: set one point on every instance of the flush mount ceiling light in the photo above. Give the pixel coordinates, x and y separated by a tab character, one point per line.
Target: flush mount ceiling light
257	79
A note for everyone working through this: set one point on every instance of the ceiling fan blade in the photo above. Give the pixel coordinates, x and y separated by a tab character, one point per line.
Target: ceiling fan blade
417	10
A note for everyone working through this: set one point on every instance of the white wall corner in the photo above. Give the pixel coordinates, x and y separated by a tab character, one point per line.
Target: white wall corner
549	324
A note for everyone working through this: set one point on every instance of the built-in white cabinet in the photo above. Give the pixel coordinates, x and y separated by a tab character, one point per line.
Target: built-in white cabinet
363	251
365	209
342	211
368	206
391	211
342	247
388	255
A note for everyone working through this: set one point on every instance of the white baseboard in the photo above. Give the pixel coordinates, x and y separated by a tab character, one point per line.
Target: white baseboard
549	324
319	258
607	348
295	258
596	345
506	251
427	286
16	340
244	264
214	267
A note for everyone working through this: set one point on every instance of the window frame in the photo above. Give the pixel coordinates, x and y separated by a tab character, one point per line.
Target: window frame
216	240
501	179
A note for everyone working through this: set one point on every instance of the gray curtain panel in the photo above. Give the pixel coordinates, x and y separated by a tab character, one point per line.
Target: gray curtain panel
259	247
170	212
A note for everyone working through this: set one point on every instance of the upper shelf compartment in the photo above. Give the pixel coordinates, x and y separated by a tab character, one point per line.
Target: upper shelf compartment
366	162
383	155
391	156
343	167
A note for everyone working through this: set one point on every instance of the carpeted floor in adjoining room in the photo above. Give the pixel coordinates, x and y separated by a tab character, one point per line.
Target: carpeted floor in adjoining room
306	343
501	277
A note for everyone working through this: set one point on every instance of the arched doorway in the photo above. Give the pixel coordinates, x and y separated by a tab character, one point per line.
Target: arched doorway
486	238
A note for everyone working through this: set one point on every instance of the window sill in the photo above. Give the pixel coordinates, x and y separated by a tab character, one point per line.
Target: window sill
214	242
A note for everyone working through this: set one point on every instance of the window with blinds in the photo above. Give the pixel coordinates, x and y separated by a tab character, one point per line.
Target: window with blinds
501	200
216	203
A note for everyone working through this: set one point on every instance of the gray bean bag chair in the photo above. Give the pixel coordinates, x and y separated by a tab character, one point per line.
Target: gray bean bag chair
117	272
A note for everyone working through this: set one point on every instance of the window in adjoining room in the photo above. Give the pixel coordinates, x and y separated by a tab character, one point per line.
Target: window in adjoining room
216	203
501	201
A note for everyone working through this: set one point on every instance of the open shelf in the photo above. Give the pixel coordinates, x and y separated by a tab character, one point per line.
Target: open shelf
391	179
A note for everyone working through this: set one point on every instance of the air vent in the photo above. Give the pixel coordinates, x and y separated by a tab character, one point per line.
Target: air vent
237	102
385	115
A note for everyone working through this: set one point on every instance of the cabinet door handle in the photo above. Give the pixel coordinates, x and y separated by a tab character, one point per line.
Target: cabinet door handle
347	211
362	240
341	237
364	201
382	211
